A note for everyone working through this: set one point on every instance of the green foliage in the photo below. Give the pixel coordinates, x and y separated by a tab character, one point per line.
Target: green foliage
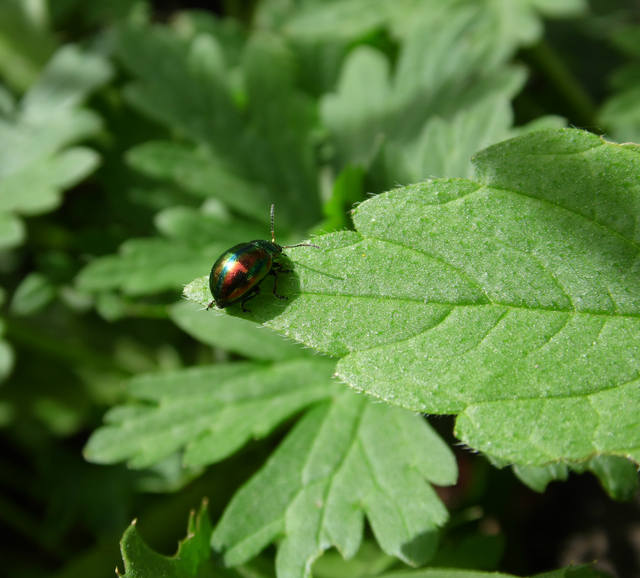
204	409
621	113
343	459
193	553
140	140
528	319
6	353
36	164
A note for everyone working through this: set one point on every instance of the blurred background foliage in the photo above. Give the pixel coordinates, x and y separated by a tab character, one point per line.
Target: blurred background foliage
140	139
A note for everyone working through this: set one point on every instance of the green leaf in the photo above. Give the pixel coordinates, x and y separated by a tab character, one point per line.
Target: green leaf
12	231
70	76
210	411
233	334
618	476
283	120
512	301
346	458
538	477
348	190
200	173
186	89
445	147
146	266
36	188
511	23
568	572
193	241
446	100
6	357
264	134
34	292
368	561
621	113
34	168
473	550
191	559
25	42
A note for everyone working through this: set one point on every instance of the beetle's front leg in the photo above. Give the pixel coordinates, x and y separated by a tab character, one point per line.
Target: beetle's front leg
275	272
250	295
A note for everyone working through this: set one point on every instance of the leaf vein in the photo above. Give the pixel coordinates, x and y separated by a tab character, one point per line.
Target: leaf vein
574	212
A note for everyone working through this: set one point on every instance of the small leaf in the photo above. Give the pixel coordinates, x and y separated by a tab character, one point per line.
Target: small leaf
69	77
200	173
34	170
146	266
344	459
446	100
151	265
191	560
621	113
209	411
264	134
348	190
34	292
12	231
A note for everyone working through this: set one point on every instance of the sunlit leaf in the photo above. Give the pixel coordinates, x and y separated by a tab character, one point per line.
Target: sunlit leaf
345	459
209	411
511	300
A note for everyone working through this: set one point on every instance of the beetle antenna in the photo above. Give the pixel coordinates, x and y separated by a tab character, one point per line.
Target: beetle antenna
301	245
273	234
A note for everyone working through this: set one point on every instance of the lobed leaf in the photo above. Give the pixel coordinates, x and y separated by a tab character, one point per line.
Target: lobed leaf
504	25
204	410
192	242
191	559
512	300
264	134
200	173
446	99
35	167
346	458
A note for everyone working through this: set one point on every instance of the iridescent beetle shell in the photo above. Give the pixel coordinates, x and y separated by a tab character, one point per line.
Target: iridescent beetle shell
237	273
240	269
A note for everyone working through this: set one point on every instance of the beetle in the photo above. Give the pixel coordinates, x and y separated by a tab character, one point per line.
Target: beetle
237	273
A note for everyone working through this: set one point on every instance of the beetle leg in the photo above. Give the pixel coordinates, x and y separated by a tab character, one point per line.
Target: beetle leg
275	281
279	267
211	303
249	296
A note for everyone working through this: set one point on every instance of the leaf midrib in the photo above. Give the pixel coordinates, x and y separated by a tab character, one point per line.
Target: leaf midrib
472	304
